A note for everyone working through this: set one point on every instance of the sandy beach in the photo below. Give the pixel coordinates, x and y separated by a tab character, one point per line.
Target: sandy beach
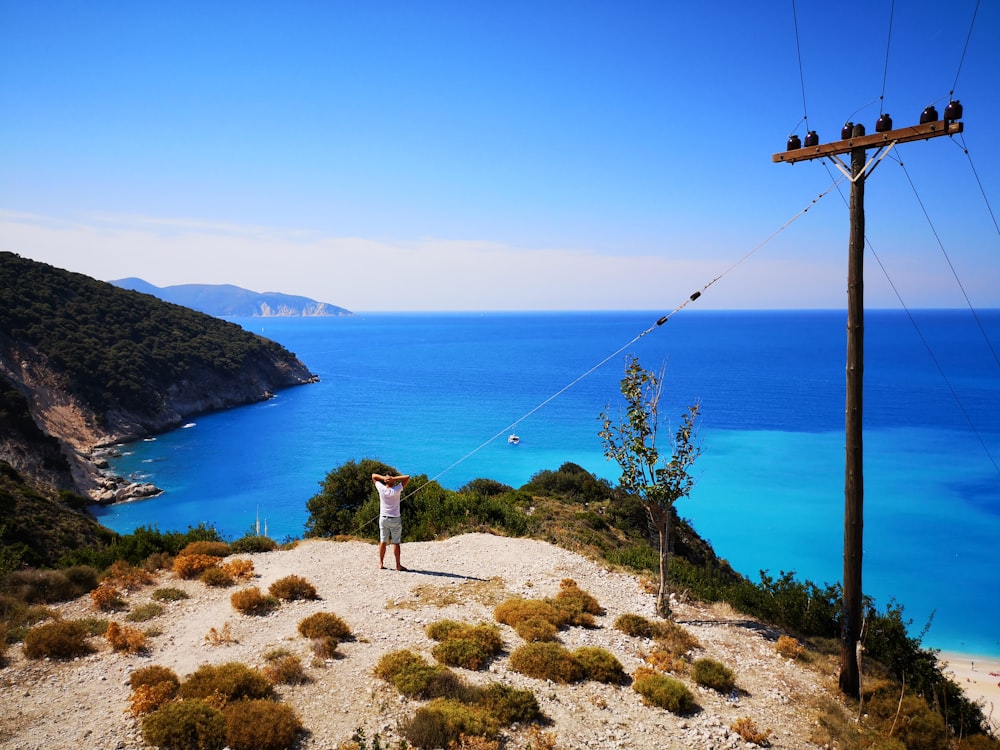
979	677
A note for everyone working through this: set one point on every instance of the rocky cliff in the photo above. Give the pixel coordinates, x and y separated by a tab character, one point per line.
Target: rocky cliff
89	364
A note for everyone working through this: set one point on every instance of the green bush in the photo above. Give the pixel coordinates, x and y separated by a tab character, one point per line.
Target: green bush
665	692
517	609
228	682
600	665
292	587
152	675
145	612
546	661
713	674
252	543
59	639
170	594
536	629
509	705
443	722
461	652
51	586
260	725
325	625
185	725
636	626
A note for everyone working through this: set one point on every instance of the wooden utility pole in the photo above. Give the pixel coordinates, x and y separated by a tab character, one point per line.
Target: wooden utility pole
856	143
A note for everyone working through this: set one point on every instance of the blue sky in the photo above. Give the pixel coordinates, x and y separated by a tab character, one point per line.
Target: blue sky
516	155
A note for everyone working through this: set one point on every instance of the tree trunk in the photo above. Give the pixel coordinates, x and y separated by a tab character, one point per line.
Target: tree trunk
662	599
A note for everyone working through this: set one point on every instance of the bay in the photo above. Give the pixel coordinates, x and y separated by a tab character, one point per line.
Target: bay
437	394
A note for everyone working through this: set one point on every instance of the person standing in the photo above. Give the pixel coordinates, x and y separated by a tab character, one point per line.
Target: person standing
390	524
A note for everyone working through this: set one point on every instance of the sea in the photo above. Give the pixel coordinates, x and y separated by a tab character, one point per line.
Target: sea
438	394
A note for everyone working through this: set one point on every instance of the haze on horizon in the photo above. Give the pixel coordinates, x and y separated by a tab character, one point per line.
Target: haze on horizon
447	156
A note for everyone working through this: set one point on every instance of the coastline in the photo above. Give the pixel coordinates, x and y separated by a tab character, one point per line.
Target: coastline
979	678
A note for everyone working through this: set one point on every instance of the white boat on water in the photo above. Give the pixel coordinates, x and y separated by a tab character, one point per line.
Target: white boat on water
513	439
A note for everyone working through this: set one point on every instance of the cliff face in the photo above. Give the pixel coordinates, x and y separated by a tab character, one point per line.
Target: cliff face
93	365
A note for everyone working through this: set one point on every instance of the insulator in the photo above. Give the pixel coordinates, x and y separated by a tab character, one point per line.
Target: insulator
928	115
793	143
812	139
847	131
953	111
884	124
859	130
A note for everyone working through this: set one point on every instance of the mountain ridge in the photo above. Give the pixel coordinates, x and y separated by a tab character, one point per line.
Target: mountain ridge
231	301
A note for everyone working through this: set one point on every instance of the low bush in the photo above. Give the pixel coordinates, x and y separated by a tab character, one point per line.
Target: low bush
600	665
240	570
170	594
191	566
636	626
216	576
59	639
461	652
260	725
126	576
220	637
411	675
789	647
536	629
252	602
226	683
579	606
517	609
442	722
713	674
206	547
285	669
50	586
674	638
253	543
152	675
325	625
145	612
509	705
664	692
464	645
125	639
546	661
158	561
147	698
184	725
107	598
395	662
292	587
746	728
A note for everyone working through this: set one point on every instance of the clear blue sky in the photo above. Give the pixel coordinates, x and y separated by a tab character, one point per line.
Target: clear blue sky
515	155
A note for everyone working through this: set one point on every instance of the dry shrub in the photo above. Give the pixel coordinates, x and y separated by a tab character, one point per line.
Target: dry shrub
126	576
292	587
240	570
260	725
192	566
461	652
107	598
516	609
789	647
170	594
673	638
252	602
216	576
546	661
411	675
185	724
395	662
600	665
441	630
325	625
746	728
713	674
154	674
47	586
665	661
464	645
212	549
325	648
664	692
158	561
536	629
147	698
59	639
224	683
285	669
509	705
253	543
125	639
221	637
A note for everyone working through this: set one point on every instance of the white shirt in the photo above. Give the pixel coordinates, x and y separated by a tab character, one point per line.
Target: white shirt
389	498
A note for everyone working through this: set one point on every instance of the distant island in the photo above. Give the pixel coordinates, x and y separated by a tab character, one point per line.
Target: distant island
228	301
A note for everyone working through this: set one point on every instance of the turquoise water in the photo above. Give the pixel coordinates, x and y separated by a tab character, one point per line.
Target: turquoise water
427	393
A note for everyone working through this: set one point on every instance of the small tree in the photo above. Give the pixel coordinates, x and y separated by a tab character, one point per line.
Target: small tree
631	443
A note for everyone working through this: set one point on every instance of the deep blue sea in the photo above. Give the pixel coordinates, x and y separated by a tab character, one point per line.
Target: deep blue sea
426	393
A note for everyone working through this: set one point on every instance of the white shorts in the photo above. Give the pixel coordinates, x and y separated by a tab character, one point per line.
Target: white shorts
390	527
